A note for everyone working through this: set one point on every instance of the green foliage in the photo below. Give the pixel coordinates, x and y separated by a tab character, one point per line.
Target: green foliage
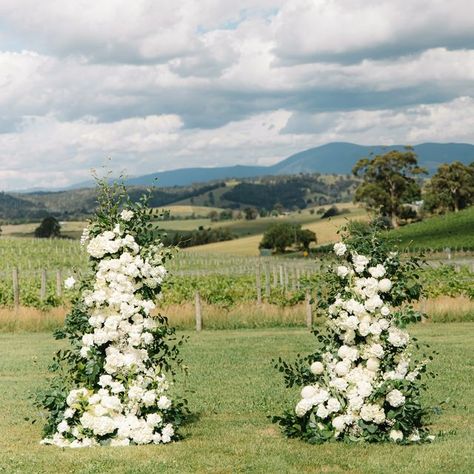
49	228
281	235
451	188
388	182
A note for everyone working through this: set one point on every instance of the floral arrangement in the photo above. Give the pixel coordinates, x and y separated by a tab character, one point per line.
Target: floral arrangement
112	386
363	383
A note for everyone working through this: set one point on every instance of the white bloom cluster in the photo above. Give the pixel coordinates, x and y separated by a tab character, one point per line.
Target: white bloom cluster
355	381
131	404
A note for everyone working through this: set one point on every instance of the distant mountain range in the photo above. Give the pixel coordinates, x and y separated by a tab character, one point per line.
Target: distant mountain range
337	157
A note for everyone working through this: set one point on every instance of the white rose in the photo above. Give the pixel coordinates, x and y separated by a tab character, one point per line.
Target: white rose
322	411
360	261
126	215
339	384
164	403
342	368
385	285
342	271
339	422
69	282
349	337
317	368
364	329
309	392
373	303
397	337
149	398
364	389
373	364
383	323
396	435
346	352
88	339
339	249
302	407
154	419
376	350
333	405
355	403
320	397
375	329
63	427
378	271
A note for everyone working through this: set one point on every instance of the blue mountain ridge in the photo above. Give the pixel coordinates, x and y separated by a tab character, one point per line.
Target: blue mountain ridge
336	157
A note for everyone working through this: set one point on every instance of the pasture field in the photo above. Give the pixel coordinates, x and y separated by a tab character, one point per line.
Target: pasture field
71	229
233	389
245	228
183	210
325	229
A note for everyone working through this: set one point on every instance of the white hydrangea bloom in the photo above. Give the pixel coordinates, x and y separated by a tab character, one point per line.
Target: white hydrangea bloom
395	398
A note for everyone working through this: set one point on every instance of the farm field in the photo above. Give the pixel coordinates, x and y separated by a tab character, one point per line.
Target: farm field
71	229
325	229
235	390
244	228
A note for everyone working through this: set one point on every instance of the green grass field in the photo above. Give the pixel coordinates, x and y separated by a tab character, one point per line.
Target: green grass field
235	388
453	230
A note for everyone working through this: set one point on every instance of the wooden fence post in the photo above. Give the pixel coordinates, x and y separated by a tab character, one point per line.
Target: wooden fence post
309	311
267	282
59	284
43	285
16	288
423	309
282	281
198	312
259	285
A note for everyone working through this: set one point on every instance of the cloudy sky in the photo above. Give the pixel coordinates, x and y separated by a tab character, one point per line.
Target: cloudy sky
162	84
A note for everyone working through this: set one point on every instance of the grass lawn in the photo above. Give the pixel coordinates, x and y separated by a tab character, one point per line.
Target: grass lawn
235	388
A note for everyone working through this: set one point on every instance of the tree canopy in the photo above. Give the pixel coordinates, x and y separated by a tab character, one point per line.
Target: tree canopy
389	182
281	235
48	228
451	188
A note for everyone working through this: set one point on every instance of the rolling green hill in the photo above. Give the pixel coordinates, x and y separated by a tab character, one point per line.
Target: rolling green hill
453	230
290	192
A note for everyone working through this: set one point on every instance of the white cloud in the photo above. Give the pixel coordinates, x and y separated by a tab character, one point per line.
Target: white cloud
446	122
57	153
306	29
159	85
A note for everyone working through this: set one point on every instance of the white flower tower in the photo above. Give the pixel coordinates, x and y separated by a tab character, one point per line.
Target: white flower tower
118	389
363	383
